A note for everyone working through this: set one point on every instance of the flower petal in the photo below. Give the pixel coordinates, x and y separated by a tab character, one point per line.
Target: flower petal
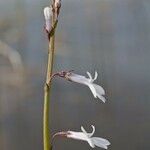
101	98
83	130
99	89
96	75
90	76
89	134
47	13
93	131
77	135
80	136
99	92
77	78
89	140
93	90
100	142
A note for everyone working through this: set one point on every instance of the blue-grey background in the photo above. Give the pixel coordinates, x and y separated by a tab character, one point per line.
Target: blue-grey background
110	36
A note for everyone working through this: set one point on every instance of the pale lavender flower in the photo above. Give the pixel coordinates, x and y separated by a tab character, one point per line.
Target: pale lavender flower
48	14
97	90
84	136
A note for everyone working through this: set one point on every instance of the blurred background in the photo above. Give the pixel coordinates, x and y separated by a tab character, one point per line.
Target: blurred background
110	36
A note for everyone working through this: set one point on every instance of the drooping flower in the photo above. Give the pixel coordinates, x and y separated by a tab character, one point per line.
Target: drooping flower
97	90
84	136
48	14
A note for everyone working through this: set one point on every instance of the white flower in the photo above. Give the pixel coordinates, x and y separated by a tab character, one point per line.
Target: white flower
97	90
84	136
48	14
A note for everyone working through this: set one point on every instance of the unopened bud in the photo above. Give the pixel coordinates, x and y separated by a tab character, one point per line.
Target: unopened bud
48	15
57	3
57	6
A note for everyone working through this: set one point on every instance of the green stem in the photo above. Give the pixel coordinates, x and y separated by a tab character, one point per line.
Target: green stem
47	92
46	132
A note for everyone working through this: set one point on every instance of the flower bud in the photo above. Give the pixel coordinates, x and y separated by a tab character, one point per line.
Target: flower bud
48	14
57	3
57	6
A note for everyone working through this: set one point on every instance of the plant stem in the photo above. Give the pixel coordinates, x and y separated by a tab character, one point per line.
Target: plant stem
47	92
46	132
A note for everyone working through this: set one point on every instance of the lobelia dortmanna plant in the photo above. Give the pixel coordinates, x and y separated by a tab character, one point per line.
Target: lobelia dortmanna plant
51	14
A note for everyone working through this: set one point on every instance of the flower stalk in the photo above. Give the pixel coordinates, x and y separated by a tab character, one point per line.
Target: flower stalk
51	19
47	88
